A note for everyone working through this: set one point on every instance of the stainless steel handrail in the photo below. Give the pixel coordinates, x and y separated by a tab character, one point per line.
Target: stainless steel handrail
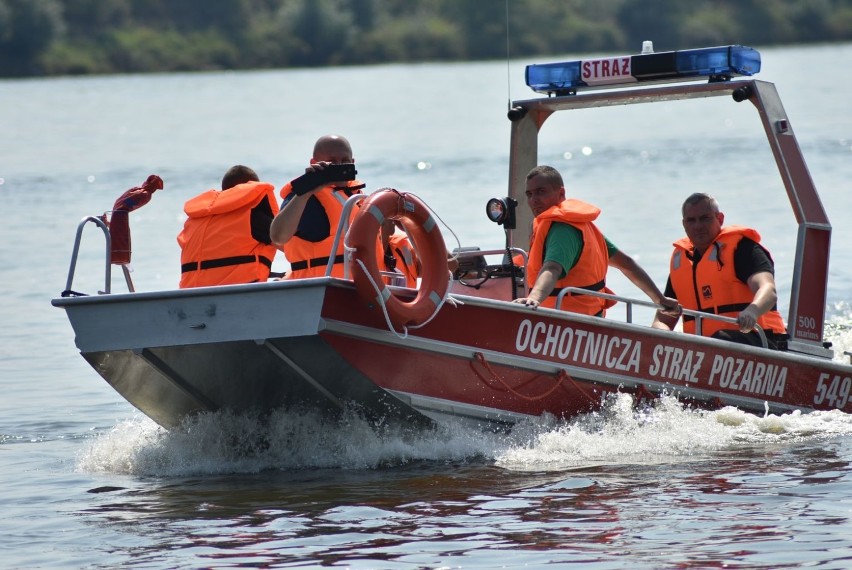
699	316
395	279
342	228
98	221
78	238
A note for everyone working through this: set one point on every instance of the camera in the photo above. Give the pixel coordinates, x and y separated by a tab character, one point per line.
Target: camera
331	173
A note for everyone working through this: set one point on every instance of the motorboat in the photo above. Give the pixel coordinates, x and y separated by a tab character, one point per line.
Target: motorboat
457	348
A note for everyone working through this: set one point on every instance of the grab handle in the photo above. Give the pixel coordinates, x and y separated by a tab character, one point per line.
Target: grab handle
107	268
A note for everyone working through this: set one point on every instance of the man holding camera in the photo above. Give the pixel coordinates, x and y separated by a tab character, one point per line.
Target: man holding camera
305	226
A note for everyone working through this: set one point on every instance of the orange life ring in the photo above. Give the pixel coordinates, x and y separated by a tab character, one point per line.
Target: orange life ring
428	241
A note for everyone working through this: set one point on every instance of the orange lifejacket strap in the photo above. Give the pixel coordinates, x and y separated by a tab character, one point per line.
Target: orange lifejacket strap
308	263
224	262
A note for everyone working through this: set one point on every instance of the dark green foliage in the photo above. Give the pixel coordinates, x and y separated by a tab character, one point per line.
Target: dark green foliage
108	36
27	28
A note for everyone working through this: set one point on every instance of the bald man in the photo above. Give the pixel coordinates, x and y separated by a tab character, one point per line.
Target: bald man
305	226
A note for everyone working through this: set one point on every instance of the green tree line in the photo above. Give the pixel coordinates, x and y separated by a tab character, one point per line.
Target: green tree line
62	37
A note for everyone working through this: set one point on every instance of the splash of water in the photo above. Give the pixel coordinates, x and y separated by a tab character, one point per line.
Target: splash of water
668	431
838	330
224	443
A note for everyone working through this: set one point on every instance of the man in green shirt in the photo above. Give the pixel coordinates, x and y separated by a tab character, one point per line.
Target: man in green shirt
573	243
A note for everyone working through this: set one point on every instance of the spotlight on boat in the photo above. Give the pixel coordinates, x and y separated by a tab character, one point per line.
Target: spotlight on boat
516	113
740	94
502	211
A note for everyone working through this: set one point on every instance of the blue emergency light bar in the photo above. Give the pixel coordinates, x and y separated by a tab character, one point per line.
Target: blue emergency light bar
716	63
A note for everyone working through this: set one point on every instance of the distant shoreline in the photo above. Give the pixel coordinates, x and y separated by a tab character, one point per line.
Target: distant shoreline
59	38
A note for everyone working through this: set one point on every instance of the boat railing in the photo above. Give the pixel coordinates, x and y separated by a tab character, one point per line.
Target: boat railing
98	221
342	228
629	302
394	278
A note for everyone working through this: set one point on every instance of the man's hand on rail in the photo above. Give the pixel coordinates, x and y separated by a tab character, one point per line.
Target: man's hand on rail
531	303
747	318
671	308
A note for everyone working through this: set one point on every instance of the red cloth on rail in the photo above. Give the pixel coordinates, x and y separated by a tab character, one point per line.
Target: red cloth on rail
119	224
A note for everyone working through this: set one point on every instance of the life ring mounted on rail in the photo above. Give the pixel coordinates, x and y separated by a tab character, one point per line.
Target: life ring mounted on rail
421	226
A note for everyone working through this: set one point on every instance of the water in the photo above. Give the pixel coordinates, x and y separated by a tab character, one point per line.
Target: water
86	481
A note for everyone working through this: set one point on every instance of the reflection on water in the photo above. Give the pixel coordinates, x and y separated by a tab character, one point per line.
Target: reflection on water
736	486
729	507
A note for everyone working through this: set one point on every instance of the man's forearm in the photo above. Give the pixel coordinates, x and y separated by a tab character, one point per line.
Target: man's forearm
545	282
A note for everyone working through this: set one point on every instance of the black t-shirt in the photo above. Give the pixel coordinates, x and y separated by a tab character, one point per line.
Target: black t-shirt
261	219
314	225
749	258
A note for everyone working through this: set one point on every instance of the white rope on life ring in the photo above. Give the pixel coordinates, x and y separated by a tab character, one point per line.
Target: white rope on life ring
419	223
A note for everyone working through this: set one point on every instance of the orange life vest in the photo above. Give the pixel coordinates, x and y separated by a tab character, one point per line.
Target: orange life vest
591	267
217	247
712	286
308	258
405	258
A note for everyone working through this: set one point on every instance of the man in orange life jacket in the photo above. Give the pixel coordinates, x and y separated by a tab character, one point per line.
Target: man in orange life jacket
306	224
568	250
724	271
225	239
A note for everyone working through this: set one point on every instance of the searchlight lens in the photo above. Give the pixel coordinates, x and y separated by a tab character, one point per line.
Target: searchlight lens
502	211
496	210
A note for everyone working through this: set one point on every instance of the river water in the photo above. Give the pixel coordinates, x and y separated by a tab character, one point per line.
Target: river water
86	481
